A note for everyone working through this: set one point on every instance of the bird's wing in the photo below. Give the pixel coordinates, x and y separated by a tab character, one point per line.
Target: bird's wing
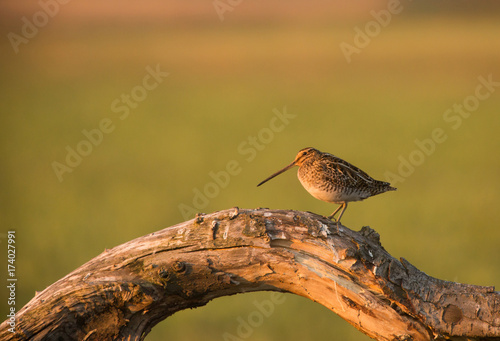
347	172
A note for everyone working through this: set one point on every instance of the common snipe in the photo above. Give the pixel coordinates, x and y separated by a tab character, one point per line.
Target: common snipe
331	179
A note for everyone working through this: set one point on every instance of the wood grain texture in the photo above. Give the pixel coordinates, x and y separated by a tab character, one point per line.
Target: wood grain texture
122	293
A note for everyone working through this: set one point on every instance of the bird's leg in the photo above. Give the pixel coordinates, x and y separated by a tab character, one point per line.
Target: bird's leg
334	213
344	205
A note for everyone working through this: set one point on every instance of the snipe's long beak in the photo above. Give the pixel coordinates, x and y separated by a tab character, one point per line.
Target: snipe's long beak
278	173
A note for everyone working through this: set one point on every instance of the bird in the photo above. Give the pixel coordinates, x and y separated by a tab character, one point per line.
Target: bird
329	178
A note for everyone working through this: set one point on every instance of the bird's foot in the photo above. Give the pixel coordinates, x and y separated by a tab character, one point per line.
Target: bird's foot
335	220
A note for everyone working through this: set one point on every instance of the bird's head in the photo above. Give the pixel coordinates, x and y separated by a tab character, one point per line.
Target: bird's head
303	155
306	154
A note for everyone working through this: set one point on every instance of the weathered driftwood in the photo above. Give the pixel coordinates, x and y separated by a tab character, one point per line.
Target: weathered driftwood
125	291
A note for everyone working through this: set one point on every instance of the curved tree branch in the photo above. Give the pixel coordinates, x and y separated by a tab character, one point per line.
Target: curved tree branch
125	291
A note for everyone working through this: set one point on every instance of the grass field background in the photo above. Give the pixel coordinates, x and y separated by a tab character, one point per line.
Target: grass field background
226	79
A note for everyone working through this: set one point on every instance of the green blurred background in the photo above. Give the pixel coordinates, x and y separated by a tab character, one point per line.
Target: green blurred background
225	79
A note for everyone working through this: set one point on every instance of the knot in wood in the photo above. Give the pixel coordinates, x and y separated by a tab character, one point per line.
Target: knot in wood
163	273
215	226
234	213
198	219
179	266
452	314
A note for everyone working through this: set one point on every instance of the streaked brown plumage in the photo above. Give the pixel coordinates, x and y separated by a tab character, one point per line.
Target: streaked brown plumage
331	179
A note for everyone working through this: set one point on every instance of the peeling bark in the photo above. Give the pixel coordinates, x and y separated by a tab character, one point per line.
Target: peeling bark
125	291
